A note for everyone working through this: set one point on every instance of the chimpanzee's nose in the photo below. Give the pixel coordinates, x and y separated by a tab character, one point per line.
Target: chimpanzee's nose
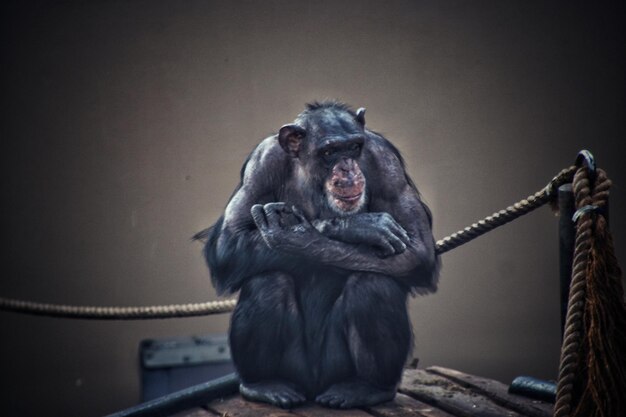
345	177
347	165
345	182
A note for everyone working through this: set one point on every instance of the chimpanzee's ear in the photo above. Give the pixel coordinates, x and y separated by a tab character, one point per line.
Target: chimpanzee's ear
290	138
360	116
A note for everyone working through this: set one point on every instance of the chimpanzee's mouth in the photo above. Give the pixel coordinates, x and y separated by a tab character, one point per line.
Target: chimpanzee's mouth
348	198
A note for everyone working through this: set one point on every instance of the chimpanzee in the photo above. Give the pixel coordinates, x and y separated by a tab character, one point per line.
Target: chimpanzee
325	237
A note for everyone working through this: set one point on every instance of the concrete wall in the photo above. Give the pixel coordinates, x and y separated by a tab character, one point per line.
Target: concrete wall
125	123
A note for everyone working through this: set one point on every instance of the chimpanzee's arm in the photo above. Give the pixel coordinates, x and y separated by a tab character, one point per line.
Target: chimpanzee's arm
379	230
392	193
417	266
235	249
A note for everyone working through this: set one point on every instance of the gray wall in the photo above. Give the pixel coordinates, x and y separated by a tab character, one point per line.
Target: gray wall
124	126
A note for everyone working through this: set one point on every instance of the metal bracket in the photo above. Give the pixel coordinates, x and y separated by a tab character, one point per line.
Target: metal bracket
585	157
583	210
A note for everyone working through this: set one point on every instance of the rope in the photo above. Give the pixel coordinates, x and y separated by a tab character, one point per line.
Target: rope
507	215
118	313
592	371
444	245
572	336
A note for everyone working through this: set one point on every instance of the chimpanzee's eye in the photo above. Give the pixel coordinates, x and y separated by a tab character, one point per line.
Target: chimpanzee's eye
327	152
354	147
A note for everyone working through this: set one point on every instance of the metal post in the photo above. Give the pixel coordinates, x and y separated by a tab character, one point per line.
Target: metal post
567	237
525	385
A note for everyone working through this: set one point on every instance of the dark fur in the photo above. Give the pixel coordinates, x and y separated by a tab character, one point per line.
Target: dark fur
327	322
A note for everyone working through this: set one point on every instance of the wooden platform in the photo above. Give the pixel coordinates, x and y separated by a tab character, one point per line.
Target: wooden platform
431	392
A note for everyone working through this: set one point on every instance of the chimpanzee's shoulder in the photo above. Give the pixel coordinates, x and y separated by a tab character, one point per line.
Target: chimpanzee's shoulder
266	159
269	148
384	152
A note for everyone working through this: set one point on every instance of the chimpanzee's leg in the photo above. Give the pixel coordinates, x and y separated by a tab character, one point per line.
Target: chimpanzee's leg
376	326
266	341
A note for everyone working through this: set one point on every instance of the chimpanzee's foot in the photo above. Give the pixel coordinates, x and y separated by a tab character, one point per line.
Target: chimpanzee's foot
279	393
354	393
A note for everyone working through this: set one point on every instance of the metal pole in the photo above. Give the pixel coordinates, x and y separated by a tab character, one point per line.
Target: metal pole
184	399
525	385
567	237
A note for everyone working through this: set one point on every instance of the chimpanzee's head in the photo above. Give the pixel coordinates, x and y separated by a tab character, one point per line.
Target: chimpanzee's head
327	140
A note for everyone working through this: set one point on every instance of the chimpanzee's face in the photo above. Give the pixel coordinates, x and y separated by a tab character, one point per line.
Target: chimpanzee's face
344	185
328	146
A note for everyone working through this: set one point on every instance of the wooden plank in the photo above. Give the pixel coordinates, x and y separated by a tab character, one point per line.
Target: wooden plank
314	410
405	406
238	407
497	391
194	412
449	396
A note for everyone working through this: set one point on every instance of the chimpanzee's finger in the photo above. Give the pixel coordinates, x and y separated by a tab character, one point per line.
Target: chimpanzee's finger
399	231
258	215
398	245
278	207
273	213
299	215
386	248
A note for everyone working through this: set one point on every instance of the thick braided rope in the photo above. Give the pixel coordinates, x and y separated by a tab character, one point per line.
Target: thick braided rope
507	215
570	361
216	307
118	313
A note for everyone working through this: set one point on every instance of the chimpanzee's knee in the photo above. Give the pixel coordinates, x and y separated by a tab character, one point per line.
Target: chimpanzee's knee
378	329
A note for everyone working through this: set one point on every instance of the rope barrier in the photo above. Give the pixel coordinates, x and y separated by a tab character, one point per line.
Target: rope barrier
118	313
573	333
444	245
592	370
507	215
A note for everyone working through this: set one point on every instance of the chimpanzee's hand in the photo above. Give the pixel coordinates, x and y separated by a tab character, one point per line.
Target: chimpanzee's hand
283	227
375	229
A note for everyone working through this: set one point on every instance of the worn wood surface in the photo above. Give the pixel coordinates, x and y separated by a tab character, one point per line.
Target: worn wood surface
431	392
497	391
405	406
238	407
194	412
449	396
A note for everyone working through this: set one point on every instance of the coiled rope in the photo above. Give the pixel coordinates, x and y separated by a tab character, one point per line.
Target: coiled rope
592	371
572	335
446	244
